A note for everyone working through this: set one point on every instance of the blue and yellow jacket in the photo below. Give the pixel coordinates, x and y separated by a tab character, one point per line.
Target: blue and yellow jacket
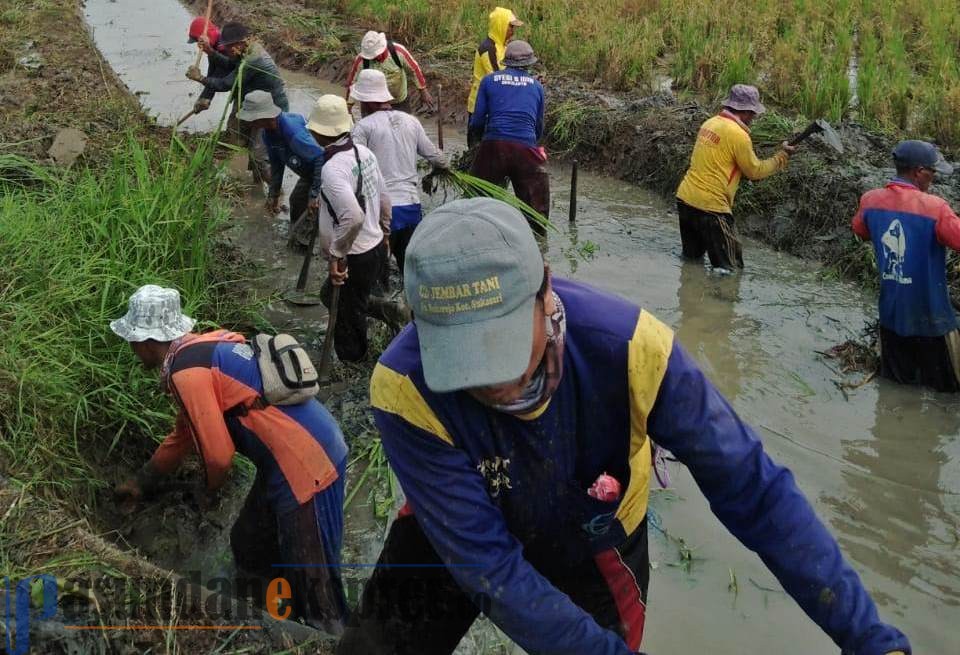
505	497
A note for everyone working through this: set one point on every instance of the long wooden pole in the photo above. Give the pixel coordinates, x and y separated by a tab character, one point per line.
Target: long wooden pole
440	116
206	30
573	192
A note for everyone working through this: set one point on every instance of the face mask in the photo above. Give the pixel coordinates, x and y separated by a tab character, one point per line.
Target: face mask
546	379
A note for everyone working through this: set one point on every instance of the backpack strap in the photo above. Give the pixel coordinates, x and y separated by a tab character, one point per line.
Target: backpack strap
488	47
358	192
392	49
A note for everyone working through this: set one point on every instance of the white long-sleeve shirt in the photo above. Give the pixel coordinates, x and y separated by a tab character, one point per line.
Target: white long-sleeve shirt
339	185
397	138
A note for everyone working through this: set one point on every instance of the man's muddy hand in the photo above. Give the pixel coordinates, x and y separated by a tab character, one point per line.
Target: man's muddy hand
193	73
338	272
128	495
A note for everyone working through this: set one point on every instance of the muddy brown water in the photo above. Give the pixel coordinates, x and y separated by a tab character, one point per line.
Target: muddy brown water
881	465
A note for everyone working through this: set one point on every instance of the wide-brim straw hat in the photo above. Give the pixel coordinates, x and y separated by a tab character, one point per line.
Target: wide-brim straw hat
370	86
373	44
257	105
743	97
153	313
519	54
330	116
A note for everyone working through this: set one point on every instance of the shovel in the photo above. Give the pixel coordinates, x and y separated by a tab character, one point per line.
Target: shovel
327	352
822	127
298	295
184	118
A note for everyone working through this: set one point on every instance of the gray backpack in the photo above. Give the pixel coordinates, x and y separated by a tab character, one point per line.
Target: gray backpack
289	377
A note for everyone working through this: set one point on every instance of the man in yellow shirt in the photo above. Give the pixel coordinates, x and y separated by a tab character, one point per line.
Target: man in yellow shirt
489	58
722	154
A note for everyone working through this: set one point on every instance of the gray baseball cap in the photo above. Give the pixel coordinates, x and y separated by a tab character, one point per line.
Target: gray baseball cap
916	154
471	276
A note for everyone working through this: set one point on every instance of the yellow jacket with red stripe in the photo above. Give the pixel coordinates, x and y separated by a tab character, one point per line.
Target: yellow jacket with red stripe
722	154
490	52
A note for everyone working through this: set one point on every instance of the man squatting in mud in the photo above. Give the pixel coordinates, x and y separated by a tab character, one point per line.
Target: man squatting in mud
517	411
294	512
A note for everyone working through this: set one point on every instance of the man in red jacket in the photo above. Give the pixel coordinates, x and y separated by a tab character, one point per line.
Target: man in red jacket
911	230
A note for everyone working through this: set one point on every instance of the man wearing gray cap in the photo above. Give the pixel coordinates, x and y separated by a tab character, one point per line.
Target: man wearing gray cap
517	412
911	230
509	113
722	155
294	512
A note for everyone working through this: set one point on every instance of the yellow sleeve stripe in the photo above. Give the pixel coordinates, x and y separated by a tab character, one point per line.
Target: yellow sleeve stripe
396	394
647	357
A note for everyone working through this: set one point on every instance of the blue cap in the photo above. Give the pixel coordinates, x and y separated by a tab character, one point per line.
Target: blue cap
917	154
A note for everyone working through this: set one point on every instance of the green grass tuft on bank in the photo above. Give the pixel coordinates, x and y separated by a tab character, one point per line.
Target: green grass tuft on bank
73	246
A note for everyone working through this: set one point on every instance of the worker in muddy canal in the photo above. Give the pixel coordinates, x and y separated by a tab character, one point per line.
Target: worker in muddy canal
398	140
722	154
294	512
911	231
207	37
510	113
377	52
256	71
354	221
517	412
488	59
289	145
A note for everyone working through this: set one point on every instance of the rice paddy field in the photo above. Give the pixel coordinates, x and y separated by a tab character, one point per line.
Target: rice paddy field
890	64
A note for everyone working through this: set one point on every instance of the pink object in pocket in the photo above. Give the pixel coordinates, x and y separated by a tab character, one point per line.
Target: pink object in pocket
541	153
605	488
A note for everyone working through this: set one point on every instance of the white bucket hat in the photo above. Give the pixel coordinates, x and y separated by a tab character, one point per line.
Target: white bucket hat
330	116
257	105
371	86
153	313
373	44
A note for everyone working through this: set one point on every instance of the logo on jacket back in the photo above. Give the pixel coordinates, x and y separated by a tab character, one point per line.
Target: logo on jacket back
894	243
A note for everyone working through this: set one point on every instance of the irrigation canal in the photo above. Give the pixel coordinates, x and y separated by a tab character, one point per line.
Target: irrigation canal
882	464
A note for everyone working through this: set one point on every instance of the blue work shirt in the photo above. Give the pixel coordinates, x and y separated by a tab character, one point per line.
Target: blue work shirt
291	145
510	106
910	231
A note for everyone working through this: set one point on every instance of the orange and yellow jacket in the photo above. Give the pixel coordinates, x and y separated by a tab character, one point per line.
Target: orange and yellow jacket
723	153
215	380
490	52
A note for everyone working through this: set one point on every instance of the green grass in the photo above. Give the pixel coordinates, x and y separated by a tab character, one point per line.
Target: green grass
73	247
